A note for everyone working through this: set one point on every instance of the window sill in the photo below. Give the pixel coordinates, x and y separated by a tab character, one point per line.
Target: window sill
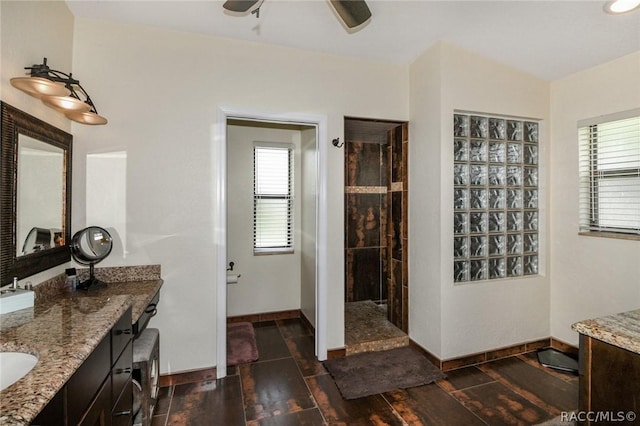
266	252
614	235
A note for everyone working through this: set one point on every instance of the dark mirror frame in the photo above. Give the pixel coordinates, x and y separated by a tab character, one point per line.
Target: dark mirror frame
15	122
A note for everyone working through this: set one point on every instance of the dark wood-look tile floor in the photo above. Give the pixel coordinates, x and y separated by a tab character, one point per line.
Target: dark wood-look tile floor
287	386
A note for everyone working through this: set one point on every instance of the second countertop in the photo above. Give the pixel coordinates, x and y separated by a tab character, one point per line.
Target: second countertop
621	330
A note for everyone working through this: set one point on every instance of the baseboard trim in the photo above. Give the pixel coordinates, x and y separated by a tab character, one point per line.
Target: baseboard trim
307	324
565	347
266	316
336	353
482	357
188	376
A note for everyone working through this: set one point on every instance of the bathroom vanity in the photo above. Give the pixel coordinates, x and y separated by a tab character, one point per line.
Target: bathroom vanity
83	342
610	366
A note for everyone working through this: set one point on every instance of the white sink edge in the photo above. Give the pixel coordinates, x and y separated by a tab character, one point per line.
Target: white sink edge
14	366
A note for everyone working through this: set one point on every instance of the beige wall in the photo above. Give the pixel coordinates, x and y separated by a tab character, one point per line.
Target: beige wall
591	276
29	32
268	283
425	191
309	223
160	91
473	317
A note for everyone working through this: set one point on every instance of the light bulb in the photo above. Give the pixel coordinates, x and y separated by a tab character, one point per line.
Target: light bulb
65	103
86	118
621	6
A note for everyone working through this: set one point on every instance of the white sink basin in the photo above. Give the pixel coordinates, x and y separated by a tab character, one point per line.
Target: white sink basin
14	366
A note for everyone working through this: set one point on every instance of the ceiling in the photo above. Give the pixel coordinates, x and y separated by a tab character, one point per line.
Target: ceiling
549	39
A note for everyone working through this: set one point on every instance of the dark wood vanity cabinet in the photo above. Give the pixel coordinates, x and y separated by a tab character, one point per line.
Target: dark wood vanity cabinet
100	391
609	381
121	372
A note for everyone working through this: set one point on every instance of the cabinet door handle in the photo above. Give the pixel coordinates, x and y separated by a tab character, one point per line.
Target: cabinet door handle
123	370
152	309
123	413
125	331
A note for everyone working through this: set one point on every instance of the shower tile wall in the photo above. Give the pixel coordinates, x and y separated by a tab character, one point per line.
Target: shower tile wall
365	221
376	201
398	198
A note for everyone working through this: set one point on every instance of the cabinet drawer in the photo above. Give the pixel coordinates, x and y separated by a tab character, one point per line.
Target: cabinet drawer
85	383
121	371
122	414
121	334
98	412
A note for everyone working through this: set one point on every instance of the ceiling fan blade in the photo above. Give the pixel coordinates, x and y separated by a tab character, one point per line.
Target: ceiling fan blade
239	5
352	12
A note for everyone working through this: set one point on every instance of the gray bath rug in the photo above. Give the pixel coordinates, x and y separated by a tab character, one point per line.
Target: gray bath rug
371	373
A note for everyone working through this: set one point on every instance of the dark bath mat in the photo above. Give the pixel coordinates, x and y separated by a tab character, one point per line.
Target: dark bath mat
371	373
241	343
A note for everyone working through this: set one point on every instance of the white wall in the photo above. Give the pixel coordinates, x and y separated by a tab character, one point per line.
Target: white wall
309	217
486	315
268	283
160	91
29	32
425	140
591	276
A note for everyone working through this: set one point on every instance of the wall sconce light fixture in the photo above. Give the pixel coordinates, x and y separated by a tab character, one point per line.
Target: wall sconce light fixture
60	91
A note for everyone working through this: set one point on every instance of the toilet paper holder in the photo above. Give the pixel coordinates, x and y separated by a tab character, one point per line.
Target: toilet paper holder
232	278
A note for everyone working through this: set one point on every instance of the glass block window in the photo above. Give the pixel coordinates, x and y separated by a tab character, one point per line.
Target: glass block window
495	197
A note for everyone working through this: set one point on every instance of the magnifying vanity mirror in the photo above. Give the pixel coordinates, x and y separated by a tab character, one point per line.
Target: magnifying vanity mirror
88	247
35	195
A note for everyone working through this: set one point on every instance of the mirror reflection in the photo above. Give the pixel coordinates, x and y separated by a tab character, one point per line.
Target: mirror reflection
39	196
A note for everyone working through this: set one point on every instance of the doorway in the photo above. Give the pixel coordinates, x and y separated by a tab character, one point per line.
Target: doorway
312	243
376	231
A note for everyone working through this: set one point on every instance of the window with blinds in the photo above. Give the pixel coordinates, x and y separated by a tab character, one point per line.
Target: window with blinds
272	198
609	164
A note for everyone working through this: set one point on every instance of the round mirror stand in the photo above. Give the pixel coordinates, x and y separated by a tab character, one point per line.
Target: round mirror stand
88	247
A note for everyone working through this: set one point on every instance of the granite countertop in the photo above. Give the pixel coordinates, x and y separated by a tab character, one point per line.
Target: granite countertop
621	330
139	293
62	329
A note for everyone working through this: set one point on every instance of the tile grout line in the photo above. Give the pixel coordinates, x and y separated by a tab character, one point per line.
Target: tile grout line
532	398
304	379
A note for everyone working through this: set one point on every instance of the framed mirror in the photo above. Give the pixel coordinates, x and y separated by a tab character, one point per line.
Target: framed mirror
35	195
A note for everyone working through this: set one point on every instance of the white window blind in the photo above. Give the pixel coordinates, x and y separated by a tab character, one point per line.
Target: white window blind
273	198
609	164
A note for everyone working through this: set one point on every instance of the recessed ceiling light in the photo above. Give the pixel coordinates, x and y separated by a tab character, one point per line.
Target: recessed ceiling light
621	6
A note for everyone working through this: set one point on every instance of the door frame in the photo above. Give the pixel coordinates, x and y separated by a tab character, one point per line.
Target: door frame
220	220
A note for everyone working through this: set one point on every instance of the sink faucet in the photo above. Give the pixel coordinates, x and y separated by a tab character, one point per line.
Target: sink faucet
11	287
